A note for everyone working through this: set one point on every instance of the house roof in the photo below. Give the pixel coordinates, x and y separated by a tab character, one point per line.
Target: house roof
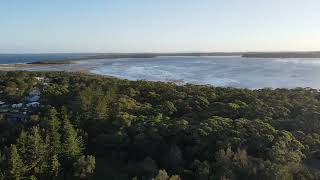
34	92
17	105
17	115
33	104
34	98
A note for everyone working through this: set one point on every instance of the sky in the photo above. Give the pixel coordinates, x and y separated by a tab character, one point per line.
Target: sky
60	26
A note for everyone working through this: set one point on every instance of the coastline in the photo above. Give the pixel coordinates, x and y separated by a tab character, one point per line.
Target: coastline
132	55
233	72
26	66
290	55
15	66
97	56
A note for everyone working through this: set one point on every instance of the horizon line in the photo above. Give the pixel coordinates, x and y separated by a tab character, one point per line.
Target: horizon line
154	52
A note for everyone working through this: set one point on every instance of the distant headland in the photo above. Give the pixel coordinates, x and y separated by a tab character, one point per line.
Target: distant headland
41	59
130	55
282	55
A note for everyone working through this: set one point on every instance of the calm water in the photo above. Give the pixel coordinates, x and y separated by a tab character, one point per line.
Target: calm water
217	71
26	58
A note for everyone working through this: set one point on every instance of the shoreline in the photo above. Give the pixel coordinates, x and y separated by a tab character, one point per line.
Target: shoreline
130	69
20	67
311	54
133	55
97	56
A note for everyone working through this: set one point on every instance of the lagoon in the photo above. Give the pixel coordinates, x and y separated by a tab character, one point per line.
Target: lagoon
227	71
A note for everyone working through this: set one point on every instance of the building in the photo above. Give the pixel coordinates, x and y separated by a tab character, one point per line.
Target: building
16	117
40	78
33	104
2	103
34	98
17	106
34	92
34	95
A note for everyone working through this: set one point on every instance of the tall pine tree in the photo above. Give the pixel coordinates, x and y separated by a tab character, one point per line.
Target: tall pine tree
16	166
72	143
53	144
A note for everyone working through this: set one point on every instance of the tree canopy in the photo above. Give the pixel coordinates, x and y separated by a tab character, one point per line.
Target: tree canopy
94	127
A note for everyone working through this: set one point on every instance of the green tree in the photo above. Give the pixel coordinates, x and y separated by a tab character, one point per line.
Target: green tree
16	166
72	143
100	108
85	100
53	144
32	178
32	150
162	175
53	134
201	169
84	166
53	167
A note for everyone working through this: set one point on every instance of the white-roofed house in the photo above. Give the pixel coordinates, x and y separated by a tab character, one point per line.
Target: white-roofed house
39	78
34	95
33	104
17	106
34	98
34	92
3	106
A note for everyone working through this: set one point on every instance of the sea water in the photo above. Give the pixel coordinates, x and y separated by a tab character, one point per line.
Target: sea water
231	71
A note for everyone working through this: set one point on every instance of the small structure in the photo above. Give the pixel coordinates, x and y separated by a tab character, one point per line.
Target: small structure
34	95
40	78
17	106
3	110
34	92
34	98
4	106
33	104
16	117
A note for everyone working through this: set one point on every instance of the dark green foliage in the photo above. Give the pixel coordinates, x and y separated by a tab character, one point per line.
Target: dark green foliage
93	127
84	166
16	168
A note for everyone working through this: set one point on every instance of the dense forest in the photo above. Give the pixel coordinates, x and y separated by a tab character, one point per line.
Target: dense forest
94	127
311	54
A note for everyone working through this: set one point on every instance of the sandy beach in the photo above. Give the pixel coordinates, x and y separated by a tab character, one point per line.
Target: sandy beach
47	67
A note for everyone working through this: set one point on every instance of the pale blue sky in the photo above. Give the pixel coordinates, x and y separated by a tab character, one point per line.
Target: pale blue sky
41	26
